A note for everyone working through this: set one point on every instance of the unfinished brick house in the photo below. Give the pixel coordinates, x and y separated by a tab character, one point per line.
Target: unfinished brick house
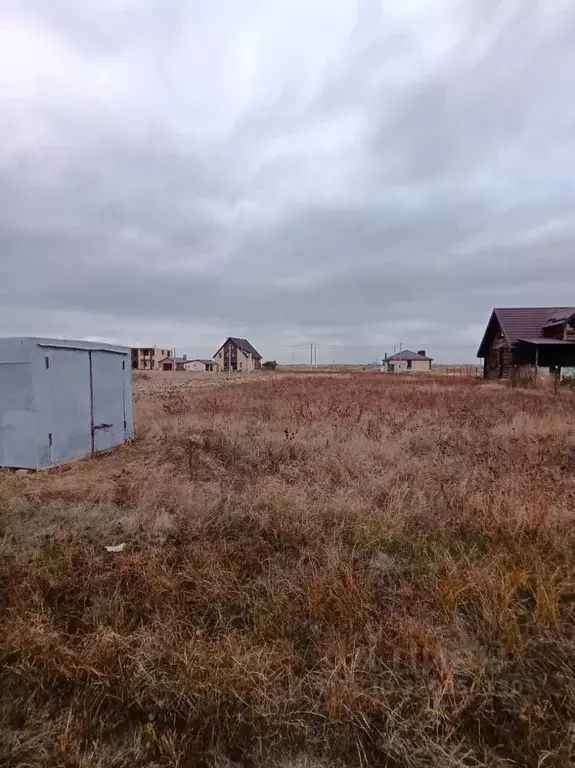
149	358
535	337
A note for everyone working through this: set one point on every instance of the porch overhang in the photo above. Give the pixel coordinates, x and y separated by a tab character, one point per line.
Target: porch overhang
547	353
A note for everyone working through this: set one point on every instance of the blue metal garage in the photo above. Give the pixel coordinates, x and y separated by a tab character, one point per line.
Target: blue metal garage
61	400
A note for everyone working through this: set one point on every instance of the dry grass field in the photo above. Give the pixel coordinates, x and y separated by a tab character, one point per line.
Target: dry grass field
342	570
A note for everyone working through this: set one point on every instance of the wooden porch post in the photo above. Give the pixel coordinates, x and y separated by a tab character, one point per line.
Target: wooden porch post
536	362
557	381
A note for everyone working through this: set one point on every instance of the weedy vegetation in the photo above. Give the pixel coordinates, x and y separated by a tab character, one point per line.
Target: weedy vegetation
329	570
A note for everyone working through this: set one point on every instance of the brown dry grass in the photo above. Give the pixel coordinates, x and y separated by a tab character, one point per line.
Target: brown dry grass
355	569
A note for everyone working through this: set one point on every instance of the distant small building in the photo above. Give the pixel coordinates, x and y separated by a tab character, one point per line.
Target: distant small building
238	355
149	358
173	363
536	337
206	366
405	361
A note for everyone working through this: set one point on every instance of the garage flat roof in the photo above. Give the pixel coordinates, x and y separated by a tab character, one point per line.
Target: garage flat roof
66	344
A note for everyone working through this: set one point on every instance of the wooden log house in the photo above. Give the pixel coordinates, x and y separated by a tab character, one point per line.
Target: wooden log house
536	337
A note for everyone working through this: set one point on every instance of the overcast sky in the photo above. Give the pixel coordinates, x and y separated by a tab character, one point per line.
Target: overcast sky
348	172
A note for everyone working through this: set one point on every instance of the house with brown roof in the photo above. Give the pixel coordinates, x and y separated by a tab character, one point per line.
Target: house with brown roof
406	360
172	363
539	337
238	355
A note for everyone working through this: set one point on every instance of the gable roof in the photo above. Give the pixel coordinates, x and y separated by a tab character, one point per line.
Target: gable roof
242	344
524	322
407	355
171	359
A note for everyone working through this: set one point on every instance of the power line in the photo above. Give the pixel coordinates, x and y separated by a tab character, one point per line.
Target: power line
401	345
376	345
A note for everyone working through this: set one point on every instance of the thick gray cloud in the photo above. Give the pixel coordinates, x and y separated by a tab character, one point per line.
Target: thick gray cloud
353	172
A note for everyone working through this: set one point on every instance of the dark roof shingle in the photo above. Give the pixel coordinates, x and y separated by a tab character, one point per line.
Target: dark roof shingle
245	345
408	355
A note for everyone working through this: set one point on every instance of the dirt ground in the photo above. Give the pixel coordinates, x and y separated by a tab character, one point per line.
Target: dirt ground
158	382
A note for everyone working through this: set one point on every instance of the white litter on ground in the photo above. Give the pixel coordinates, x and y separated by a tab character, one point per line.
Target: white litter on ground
119	548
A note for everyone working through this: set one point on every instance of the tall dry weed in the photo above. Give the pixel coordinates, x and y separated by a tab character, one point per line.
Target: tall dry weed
354	569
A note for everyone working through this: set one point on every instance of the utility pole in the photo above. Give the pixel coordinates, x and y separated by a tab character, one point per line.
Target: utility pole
315	355
311	354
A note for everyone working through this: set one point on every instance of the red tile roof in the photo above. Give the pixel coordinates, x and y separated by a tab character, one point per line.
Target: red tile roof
525	322
558	318
528	322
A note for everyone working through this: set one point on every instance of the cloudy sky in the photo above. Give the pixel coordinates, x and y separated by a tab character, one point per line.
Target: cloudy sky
353	173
